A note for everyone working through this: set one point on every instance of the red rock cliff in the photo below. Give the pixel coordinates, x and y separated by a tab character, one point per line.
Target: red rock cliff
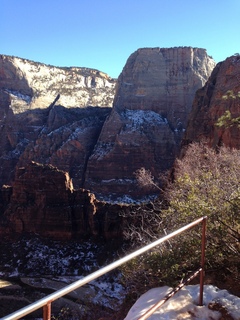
221	93
43	201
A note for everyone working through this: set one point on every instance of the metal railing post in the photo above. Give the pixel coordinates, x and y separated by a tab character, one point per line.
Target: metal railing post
203	246
47	311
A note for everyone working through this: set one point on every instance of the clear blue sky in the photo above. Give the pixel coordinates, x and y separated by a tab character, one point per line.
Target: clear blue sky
102	34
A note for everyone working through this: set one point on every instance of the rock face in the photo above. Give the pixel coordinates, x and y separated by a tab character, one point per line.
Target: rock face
43	201
153	99
221	93
32	85
45	115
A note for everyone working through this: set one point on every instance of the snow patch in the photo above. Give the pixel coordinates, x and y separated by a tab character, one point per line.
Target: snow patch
17	95
184	305
139	117
124	199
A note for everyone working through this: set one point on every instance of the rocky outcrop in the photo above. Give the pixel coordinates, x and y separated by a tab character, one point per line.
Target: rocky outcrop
45	115
153	99
43	201
66	140
55	135
163	80
220	94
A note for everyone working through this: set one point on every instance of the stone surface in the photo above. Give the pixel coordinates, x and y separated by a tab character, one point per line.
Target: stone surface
45	115
44	118
43	202
66	140
163	80
153	99
221	93
32	85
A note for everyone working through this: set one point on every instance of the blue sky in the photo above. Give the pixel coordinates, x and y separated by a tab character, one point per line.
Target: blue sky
102	34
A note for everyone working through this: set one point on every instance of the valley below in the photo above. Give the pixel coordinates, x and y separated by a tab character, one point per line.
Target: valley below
32	268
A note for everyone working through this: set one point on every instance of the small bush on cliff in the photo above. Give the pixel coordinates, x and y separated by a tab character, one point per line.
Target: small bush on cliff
227	121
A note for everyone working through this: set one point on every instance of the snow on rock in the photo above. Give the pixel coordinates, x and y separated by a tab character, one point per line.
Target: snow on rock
184	305
33	85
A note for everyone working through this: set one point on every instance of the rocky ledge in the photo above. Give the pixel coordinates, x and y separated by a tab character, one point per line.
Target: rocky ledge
42	201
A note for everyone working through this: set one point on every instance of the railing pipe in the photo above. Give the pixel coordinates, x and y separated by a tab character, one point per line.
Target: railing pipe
77	284
202	272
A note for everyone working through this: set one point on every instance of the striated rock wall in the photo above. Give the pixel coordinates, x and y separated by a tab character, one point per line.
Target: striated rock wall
163	80
153	99
221	93
43	201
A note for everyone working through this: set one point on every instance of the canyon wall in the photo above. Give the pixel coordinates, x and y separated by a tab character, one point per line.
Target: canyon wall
153	99
61	155
220	95
64	117
31	85
50	115
42	201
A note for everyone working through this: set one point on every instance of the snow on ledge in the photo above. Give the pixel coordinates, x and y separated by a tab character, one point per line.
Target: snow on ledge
184	305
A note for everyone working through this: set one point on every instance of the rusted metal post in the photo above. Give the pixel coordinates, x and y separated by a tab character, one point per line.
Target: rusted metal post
47	311
203	246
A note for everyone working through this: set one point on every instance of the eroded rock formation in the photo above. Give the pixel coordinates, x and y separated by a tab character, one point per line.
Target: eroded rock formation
46	115
45	118
42	201
153	99
220	94
31	85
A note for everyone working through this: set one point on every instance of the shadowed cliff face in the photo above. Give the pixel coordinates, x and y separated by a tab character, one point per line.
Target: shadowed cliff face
153	99
221	93
42	201
55	135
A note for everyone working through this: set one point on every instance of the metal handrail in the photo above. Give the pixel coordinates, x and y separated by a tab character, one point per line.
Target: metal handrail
45	302
200	270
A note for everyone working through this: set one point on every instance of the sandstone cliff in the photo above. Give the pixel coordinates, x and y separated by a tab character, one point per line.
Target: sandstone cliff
220	94
32	85
153	99
42	201
45	115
